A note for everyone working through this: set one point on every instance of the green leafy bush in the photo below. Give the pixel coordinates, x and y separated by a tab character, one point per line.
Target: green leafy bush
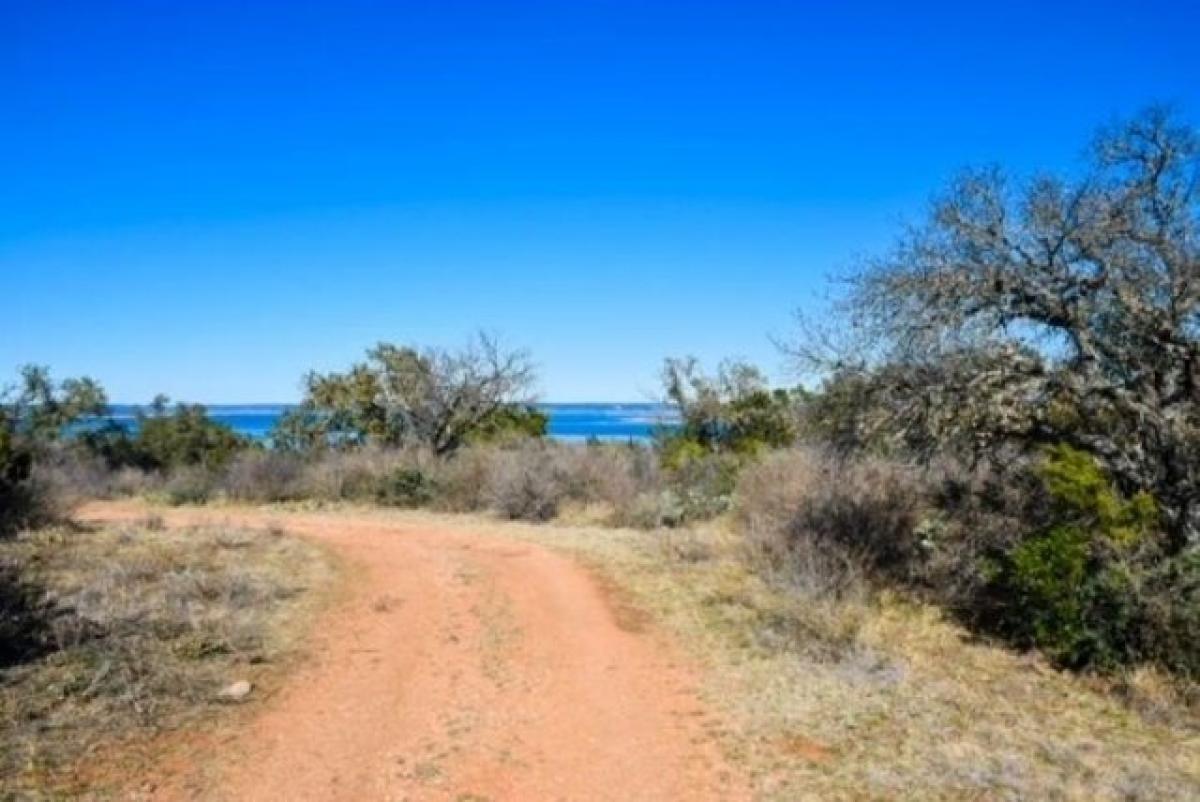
166	439
1073	587
509	423
34	415
16	464
185	437
435	398
405	487
732	411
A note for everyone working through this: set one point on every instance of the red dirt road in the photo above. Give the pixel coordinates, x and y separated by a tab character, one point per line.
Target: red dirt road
463	668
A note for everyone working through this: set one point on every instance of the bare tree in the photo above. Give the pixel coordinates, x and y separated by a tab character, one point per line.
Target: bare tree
1051	311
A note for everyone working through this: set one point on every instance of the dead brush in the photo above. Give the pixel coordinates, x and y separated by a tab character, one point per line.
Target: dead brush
826	519
136	629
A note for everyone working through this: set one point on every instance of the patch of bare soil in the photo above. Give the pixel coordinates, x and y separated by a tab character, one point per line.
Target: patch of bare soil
459	667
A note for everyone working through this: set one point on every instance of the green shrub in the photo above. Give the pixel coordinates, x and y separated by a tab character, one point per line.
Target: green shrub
732	411
509	423
1086	497
34	416
186	436
405	487
1046	579
167	438
1076	585
17	503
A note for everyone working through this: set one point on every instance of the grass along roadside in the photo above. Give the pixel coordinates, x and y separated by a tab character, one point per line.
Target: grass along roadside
873	699
857	698
134	630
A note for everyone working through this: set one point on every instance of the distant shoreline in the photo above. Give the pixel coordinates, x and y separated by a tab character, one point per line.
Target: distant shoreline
634	421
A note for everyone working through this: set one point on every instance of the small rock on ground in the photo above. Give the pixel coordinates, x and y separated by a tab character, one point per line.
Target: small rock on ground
236	691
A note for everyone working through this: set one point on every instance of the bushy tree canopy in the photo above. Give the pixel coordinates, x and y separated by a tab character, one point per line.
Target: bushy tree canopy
434	397
39	409
1048	311
734	410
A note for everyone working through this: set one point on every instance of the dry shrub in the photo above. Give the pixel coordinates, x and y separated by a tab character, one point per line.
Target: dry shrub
263	476
611	475
67	476
527	484
529	479
462	480
129	481
533	479
650	509
1160	697
827	523
59	478
622	483
136	630
355	475
981	511
190	485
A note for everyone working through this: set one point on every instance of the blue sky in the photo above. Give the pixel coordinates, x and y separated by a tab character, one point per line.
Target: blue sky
208	199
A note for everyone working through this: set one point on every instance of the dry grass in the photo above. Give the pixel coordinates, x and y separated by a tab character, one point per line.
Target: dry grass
135	630
844	695
863	700
526	480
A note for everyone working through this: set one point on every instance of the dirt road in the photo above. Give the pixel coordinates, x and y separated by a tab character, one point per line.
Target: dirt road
463	668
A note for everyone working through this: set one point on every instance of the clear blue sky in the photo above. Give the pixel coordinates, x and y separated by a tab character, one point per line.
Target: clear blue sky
209	198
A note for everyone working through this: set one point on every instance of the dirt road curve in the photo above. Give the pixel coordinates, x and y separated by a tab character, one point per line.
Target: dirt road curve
462	668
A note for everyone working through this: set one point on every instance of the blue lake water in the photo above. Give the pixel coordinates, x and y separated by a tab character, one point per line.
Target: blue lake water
572	422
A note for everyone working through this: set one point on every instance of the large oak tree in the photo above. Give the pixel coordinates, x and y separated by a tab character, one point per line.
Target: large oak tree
1053	310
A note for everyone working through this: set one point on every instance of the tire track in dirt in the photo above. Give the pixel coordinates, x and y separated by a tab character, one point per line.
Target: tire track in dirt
459	668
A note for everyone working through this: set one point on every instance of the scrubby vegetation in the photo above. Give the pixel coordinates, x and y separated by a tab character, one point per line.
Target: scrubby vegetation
163	438
1051	558
1043	336
120	633
1006	426
406	396
33	417
830	693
